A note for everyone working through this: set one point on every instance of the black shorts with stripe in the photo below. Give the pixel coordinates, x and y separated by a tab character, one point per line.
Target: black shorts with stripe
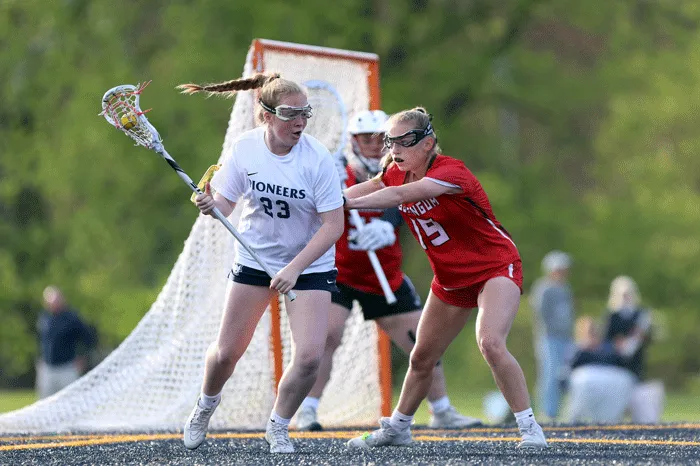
375	306
307	281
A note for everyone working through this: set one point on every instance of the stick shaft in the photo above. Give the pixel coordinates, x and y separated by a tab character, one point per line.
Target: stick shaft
374	260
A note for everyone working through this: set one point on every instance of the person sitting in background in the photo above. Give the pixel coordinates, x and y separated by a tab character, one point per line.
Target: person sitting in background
553	307
60	332
628	328
600	384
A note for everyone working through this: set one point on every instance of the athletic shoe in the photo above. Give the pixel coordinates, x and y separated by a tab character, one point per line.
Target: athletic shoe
306	420
452	419
532	436
196	425
277	435
385	436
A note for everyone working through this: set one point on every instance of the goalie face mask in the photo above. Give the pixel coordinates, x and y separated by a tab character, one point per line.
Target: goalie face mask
287	112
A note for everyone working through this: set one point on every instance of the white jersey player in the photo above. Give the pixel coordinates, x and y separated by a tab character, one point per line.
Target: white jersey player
281	198
292	216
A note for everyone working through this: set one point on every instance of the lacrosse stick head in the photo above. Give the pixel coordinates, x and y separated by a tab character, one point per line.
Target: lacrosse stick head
120	107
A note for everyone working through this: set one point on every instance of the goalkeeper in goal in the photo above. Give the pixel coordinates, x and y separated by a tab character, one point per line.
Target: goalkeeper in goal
357	281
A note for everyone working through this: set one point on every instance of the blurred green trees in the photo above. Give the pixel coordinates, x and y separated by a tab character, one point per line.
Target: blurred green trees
579	118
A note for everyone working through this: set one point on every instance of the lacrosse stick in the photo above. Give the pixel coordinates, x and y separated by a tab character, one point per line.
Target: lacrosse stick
374	260
120	107
328	103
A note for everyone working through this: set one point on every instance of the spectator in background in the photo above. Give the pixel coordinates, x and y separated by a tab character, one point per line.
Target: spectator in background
600	384
628	329
60	333
552	303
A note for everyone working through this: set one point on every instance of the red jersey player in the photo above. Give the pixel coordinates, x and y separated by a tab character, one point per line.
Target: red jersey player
357	280
474	260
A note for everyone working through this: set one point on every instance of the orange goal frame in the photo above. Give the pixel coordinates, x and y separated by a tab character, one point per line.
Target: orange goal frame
371	62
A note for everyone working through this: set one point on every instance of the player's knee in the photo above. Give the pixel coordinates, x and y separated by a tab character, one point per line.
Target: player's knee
307	363
492	347
422	361
227	358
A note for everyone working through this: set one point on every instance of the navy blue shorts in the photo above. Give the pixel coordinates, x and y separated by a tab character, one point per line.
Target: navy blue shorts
308	281
375	306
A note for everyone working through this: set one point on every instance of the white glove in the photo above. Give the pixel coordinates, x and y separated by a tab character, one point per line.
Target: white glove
377	234
340	163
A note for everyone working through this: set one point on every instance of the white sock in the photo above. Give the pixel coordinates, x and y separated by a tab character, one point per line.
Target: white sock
525	415
439	405
310	402
400	421
274	417
206	401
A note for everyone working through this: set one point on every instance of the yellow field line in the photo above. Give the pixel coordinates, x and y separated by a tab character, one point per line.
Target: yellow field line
331	434
94	441
337	435
52	437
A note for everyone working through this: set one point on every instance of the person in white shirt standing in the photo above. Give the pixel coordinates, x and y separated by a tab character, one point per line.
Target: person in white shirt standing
292	216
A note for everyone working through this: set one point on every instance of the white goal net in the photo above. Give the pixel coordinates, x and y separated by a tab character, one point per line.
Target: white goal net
152	380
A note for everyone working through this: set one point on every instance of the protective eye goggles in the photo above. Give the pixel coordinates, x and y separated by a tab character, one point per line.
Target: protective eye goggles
287	112
409	138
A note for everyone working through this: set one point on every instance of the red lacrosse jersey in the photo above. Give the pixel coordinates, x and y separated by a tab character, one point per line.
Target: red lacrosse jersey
354	268
459	232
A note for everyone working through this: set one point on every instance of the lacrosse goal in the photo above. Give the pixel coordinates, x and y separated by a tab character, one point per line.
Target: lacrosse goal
151	381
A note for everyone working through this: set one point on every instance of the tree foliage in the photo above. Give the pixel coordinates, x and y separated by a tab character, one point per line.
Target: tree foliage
578	117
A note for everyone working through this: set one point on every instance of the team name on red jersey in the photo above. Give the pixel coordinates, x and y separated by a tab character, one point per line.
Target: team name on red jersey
420	207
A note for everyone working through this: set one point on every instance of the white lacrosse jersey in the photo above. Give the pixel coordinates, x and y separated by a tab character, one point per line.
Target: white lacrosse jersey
281	197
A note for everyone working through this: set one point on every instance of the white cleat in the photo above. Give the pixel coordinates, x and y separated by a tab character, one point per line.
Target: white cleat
196	425
452	419
277	435
307	421
385	436
532	436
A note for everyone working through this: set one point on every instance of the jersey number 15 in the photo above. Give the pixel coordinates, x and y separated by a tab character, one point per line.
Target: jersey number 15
430	228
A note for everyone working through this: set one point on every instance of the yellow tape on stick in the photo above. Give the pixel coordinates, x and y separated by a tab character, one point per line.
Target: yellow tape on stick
208	175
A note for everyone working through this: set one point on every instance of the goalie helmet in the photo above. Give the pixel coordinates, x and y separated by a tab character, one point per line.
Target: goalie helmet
367	122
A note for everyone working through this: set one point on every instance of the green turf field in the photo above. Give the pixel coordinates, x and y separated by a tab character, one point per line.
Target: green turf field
15	399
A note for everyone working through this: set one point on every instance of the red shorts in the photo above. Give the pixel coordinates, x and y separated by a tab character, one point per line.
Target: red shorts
467	297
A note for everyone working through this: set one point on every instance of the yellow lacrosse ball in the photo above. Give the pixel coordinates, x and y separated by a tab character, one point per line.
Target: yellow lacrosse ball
129	120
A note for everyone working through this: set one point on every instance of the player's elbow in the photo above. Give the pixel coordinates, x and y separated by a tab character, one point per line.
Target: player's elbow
337	229
334	223
394	196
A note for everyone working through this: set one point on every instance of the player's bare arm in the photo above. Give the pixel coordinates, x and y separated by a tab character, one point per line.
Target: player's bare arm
332	227
206	202
363	189
392	196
